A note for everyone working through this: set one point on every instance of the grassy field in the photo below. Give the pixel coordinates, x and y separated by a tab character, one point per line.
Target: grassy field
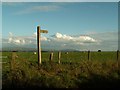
74	71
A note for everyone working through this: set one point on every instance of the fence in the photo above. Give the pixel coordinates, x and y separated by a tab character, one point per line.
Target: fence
87	55
61	57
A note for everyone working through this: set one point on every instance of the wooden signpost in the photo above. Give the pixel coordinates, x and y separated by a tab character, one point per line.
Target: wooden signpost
38	42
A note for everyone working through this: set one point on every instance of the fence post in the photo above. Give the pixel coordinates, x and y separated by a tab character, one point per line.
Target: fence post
59	56
88	55
117	55
66	55
118	61
12	62
51	56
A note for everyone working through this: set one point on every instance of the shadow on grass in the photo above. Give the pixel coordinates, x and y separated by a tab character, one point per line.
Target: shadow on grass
98	81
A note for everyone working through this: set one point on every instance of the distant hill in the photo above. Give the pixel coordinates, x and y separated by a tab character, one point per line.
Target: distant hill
18	49
13	47
31	49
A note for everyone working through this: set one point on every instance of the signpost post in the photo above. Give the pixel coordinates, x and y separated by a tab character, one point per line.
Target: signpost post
39	43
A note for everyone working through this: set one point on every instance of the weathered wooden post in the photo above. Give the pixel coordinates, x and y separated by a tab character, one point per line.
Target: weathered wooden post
117	55
66	55
118	59
38	43
12	62
51	56
59	56
89	55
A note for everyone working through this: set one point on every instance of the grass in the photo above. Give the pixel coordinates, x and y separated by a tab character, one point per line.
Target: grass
75	71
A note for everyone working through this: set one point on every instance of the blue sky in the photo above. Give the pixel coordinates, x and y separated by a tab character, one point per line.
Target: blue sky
67	18
62	20
60	0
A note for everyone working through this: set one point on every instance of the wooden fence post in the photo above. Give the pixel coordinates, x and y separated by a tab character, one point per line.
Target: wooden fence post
59	56
51	56
12	62
89	55
118	61
66	55
117	55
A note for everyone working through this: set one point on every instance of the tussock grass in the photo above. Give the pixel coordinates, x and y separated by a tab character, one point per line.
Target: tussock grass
79	73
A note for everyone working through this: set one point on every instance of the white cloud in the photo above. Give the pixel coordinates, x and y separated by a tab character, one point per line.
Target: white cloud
43	38
80	39
64	37
58	37
103	41
22	40
19	41
34	34
34	9
95	41
45	8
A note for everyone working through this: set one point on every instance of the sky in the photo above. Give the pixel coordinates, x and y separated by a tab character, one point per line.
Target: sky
70	25
60	0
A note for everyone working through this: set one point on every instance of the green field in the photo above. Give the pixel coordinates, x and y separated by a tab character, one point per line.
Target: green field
75	70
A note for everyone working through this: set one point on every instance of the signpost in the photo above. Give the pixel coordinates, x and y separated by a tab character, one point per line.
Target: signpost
38	43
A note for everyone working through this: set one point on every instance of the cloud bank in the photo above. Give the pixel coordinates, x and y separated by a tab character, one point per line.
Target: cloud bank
105	41
59	36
